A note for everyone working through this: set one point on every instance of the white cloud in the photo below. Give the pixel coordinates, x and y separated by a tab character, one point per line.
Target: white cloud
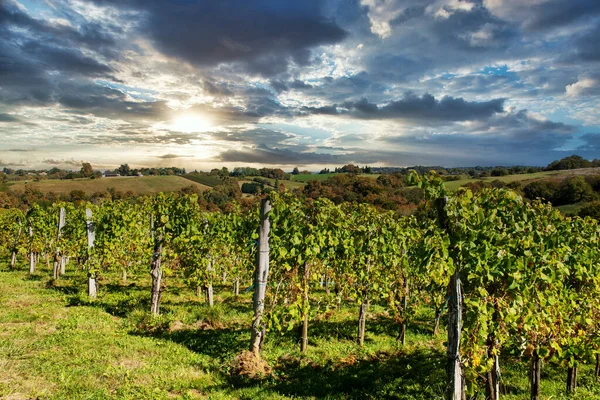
445	8
381	13
511	10
586	85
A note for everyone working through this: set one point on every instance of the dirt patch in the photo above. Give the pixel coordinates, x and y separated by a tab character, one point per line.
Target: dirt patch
16	396
203	325
175	326
248	366
130	364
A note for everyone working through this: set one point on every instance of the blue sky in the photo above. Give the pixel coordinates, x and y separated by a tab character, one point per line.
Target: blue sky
313	84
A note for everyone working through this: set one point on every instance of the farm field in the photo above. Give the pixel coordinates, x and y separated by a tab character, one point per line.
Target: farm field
453	185
57	344
289	184
321	177
139	185
207	180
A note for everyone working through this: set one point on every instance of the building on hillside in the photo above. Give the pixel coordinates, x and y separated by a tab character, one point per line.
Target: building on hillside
110	174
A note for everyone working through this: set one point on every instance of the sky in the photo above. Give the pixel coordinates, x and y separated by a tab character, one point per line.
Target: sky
203	84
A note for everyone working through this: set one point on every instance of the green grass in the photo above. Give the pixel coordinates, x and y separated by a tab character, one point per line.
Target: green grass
139	185
453	185
291	185
572	209
208	180
57	344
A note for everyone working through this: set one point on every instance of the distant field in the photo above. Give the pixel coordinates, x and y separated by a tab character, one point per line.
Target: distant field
141	185
321	177
453	185
207	180
288	184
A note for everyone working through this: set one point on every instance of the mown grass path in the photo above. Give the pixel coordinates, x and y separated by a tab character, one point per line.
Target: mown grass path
55	344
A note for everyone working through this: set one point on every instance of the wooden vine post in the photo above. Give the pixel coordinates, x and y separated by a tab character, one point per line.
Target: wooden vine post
31	253
208	290
402	336
455	389
260	278
13	256
304	336
58	259
156	273
91	236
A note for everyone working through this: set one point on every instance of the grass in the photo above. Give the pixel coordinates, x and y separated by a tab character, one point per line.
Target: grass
57	344
453	185
207	180
139	185
572	209
291	185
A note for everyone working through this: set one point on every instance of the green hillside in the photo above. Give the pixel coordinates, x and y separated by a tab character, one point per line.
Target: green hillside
139	185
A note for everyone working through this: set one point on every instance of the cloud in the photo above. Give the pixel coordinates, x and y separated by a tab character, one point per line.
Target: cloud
66	60
536	15
592	142
586	46
263	36
70	162
413	107
381	13
265	155
106	102
172	156
13	164
9	118
587	85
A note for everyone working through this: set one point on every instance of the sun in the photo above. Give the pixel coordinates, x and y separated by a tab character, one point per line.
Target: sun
190	123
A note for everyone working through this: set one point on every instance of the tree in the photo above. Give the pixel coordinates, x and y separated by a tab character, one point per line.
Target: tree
295	171
124	170
351	169
571	162
86	170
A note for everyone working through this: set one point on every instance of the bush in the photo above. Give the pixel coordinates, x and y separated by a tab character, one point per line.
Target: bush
252	187
590	210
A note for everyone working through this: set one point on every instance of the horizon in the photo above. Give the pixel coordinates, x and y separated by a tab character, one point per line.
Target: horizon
313	84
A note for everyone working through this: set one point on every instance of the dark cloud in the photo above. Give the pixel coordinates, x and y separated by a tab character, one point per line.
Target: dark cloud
22	81
65	60
256	136
14	164
109	103
70	162
79	33
282	86
408	14
265	155
592	143
8	118
510	138
216	89
263	35
413	107
36	55
587	46
556	13
172	156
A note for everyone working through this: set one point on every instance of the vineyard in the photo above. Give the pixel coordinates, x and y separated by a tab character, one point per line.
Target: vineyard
494	294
